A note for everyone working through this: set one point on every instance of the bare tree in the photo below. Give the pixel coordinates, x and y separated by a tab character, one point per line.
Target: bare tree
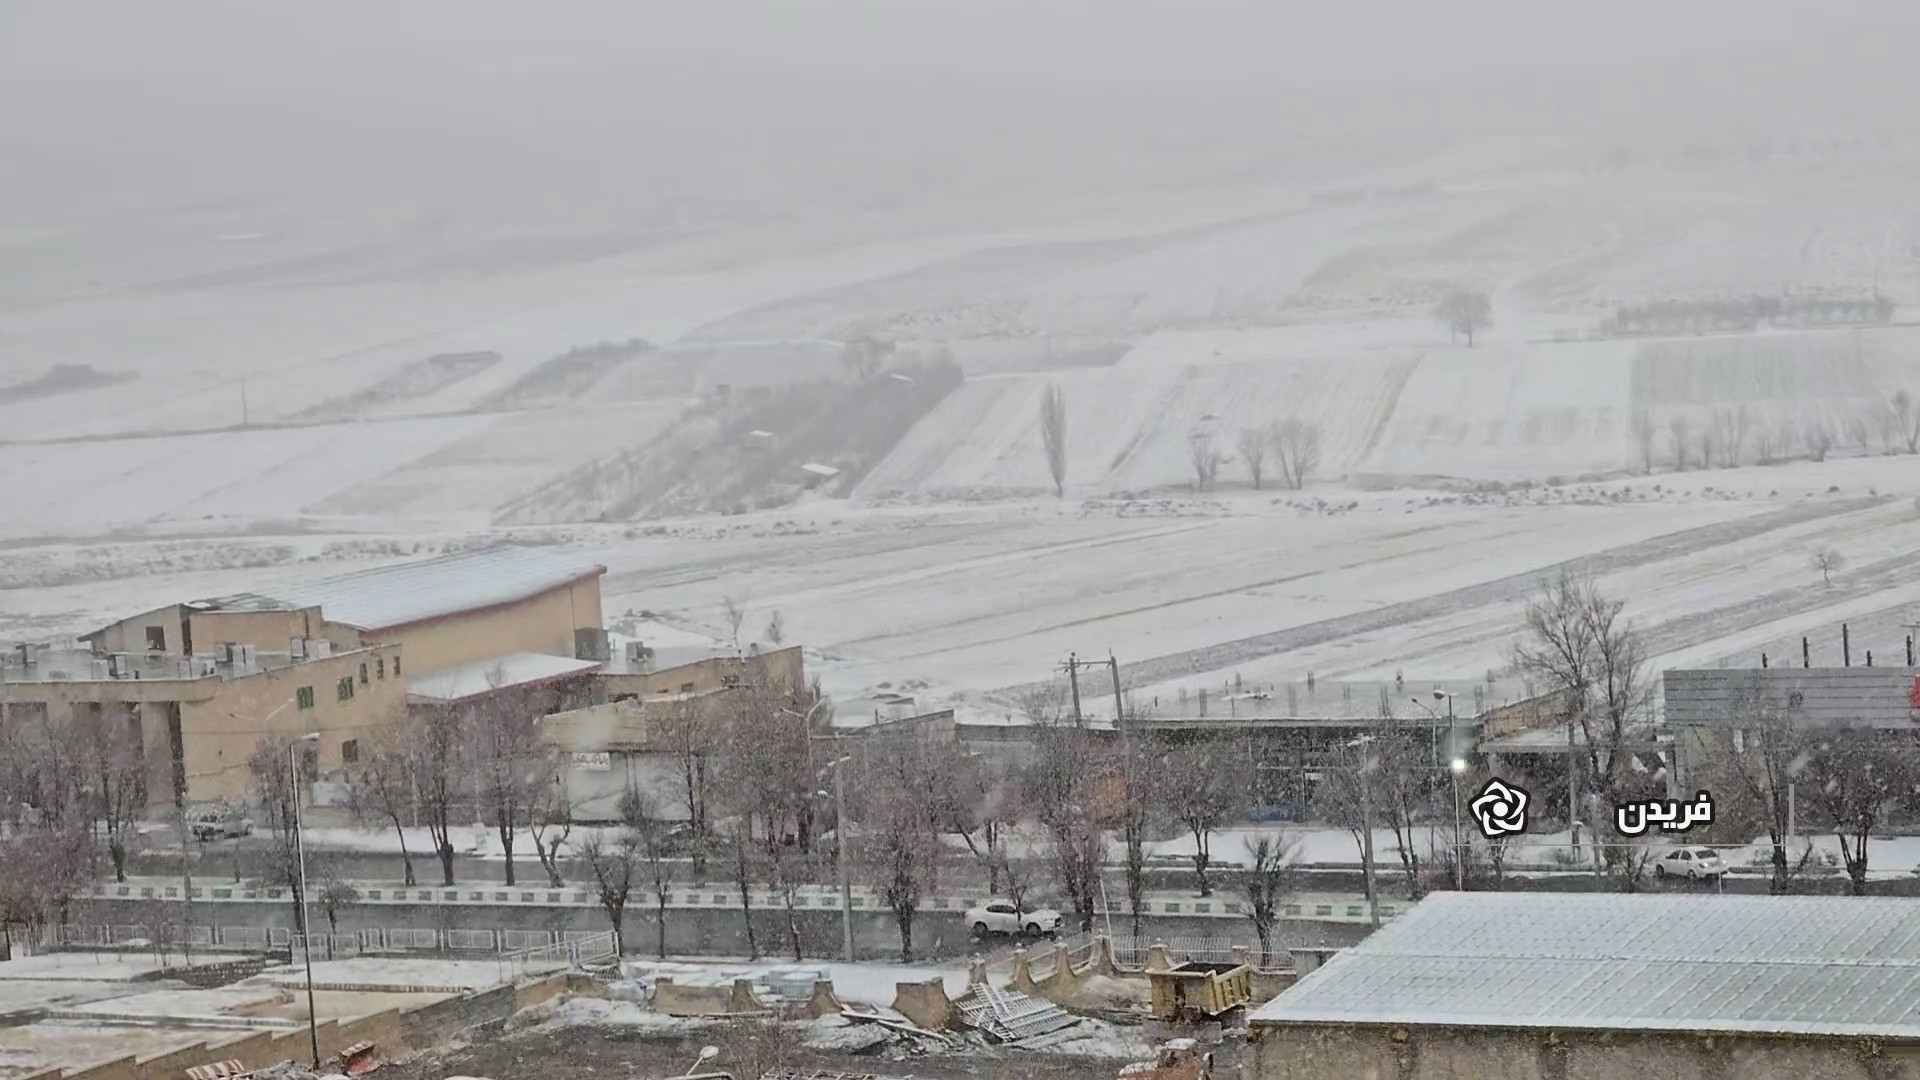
1740	425
513	768
275	788
975	804
1858	429
334	894
652	837
382	783
899	837
864	354
1053	436
734	610
1829	562
743	866
611	861
1908	419
1140	771
1679	440
1252	444
1890	427
1765	443
434	749
62	856
776	631
1856	778
1708	440
1464	312
1767	759
1382	778
1204	785
1059	787
1579	647
1267	883
117	780
690	740
550	816
1296	447
1819	438
1205	458
1644	432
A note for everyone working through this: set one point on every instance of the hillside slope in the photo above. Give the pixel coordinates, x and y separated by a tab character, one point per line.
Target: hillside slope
1130	427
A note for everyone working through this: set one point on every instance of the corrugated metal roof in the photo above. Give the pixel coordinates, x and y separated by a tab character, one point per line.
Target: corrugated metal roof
465	681
1813	697
412	592
1804	965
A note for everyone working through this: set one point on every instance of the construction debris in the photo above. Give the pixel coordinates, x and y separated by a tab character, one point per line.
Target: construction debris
1013	1018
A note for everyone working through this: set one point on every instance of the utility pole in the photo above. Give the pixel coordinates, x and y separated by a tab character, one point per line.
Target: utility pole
1119	704
1073	679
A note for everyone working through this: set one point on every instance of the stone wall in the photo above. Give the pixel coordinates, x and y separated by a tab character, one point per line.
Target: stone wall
1316	1052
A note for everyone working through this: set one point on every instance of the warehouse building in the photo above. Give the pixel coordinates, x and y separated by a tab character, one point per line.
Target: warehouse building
1609	987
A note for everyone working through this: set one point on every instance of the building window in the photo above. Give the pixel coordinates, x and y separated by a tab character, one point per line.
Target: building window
396	667
686	688
304	697
350	752
344	691
1796	700
380	667
156	639
363	674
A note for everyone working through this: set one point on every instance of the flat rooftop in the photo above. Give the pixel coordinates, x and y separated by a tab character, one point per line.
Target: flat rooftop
1806	965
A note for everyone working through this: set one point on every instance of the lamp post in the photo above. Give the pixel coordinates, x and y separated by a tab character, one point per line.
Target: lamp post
306	924
1457	767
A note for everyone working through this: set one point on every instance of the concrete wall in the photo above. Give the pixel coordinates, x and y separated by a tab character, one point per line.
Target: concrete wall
129	635
783	669
266	631
220	734
1315	1052
693	931
539	624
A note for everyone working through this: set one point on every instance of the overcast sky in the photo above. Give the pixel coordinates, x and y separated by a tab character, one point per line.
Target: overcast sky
369	99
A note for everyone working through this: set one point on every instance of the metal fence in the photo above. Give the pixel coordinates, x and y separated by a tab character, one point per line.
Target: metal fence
580	948
1207	949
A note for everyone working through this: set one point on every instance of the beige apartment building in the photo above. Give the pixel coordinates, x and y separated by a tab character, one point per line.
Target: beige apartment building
204	681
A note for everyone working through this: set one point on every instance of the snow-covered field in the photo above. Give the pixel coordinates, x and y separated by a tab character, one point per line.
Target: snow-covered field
953	571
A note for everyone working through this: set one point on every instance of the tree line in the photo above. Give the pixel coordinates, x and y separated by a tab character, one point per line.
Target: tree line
1744	313
1731	437
1291	446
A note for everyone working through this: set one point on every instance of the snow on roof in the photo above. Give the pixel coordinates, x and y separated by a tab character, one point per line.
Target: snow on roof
458	683
818	469
412	592
1774	964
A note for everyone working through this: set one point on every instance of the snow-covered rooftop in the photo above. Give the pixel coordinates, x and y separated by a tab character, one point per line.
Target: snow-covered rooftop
390	596
1776	964
465	681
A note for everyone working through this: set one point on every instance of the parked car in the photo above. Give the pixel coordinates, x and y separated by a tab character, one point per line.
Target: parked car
1003	917
216	822
1692	863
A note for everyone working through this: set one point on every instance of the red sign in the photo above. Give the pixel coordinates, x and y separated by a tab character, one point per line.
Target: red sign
1913	695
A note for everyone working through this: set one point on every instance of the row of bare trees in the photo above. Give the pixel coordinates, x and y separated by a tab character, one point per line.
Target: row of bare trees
1746	313
1291	445
1733	437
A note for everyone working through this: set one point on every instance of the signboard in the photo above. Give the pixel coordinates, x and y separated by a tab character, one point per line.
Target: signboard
601	762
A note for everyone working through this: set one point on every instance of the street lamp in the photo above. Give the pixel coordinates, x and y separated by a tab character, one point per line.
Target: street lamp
1457	767
707	1053
306	924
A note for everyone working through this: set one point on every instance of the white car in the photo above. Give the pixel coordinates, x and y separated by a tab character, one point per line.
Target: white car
1003	917
1692	863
